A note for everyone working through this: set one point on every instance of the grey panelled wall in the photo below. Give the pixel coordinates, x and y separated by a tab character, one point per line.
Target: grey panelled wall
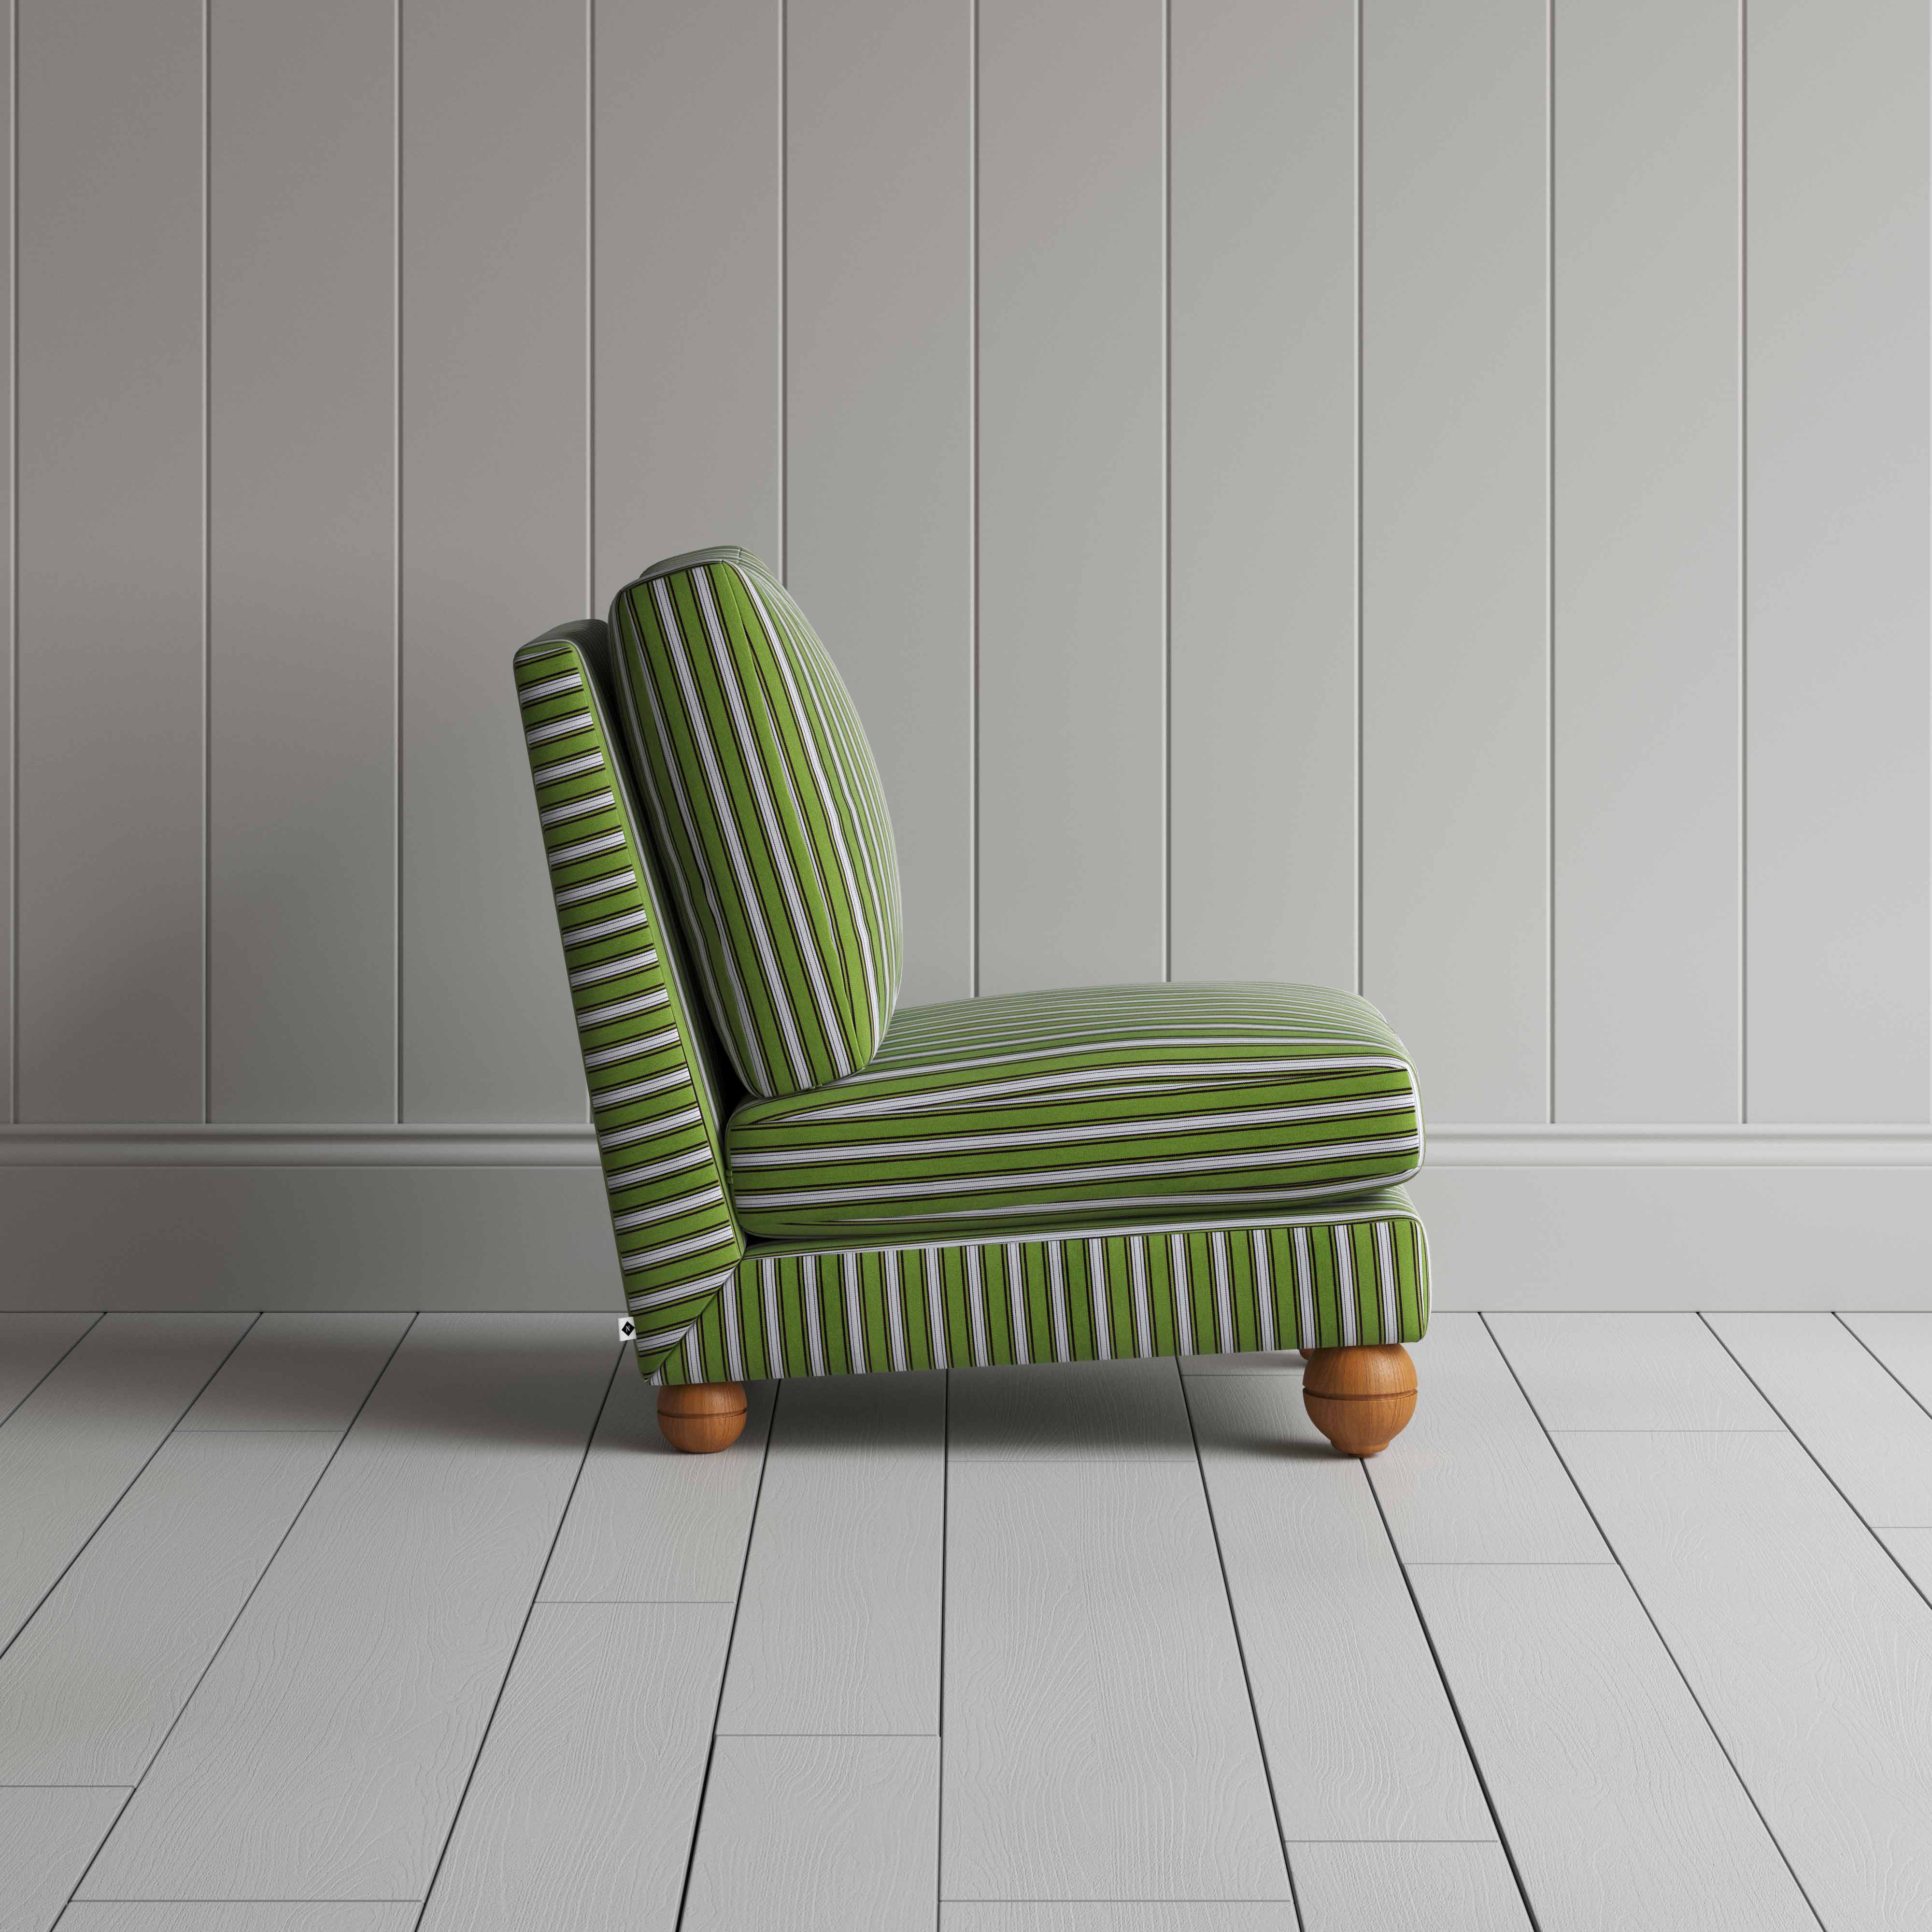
1429	497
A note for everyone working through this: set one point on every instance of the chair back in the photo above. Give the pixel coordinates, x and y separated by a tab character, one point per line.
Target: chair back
657	1100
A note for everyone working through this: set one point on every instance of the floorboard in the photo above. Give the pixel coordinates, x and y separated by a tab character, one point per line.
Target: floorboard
46	1838
580	1815
1080	1411
1870	1438
256	1916
89	1689
1811	1654
1912	1548
30	1345
1473	1478
74	1445
325	1753
818	1834
1903	1343
1629	1372
1615	1800
649	1525
298	1371
1360	1740
1136	1915
1406	1888
839	1623
1100	1743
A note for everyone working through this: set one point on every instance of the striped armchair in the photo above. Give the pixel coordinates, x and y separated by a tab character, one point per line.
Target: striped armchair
805	1179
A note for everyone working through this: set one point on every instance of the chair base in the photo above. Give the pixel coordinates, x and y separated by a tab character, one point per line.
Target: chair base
702	1417
1360	1399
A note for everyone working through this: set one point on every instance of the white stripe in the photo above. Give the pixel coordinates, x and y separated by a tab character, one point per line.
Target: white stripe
574	808
1097	1296
551	687
574	936
721	804
1025	1178
565	727
830	1024
1344	1285
660	1129
1304	1287
629	632
632	1049
585	848
1016	1303
614	969
656	1170
1260	1266
568	768
594	889
636	1090
672	1251
622	1010
667	1210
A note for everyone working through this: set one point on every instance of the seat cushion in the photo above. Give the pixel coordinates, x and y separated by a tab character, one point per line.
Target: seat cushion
1133	1103
763	800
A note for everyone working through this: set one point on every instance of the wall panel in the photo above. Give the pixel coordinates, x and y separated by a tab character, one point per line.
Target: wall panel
688	294
110	534
301	561
1455	441
1839	956
1646	553
1263	313
879	429
495	490
1071	589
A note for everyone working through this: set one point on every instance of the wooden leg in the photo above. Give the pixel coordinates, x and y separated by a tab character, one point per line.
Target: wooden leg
1360	1399
701	1417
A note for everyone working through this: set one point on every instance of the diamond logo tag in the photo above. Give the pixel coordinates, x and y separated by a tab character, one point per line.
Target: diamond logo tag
627	1330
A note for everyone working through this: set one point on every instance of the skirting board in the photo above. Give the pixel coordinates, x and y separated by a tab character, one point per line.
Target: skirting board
513	1218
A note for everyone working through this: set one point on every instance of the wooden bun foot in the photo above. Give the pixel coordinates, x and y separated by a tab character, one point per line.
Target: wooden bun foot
700	1417
1360	1399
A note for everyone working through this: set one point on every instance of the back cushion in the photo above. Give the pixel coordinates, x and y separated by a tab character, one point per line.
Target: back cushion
765	801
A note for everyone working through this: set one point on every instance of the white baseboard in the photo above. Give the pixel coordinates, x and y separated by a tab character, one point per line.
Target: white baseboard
487	1217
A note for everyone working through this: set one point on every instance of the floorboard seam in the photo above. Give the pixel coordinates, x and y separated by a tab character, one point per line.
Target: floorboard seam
939	1779
1241	1649
108	1512
1690	1690
307	1498
1838	1318
1455	1708
523	1630
99	1318
1871	1529
724	1662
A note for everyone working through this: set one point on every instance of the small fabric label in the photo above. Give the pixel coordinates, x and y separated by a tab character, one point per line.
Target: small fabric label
627	1330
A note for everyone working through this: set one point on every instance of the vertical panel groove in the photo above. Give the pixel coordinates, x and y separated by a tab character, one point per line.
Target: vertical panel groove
785	290
1744	569
13	561
207	565
1361	984
1549	548
396	567
973	490
1167	489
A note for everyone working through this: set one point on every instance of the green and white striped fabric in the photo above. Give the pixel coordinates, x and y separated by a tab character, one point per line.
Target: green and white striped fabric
1351	1273
1065	1177
764	800
1135	1102
654	1098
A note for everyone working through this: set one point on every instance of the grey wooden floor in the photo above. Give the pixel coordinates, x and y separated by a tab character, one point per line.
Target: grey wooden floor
352	1621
